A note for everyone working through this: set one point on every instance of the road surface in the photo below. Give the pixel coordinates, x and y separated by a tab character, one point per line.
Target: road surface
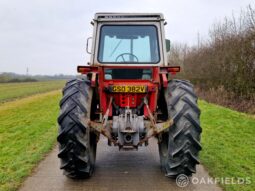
115	171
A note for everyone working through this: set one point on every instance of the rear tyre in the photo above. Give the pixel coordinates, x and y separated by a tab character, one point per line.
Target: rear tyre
179	147
77	145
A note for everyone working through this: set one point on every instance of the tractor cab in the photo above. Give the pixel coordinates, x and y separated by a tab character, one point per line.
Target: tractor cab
128	39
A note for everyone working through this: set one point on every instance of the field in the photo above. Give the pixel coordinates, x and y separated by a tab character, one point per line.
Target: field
228	145
28	131
10	91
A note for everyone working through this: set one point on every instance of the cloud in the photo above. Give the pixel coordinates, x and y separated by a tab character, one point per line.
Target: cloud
49	36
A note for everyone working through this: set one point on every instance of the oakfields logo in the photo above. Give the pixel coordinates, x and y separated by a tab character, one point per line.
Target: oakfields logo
183	180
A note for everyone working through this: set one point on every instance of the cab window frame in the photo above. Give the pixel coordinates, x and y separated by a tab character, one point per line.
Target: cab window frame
130	63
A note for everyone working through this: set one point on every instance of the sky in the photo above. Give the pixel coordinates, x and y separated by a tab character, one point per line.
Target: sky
49	36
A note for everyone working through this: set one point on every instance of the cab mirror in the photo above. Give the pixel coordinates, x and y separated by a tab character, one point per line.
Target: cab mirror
88	45
168	45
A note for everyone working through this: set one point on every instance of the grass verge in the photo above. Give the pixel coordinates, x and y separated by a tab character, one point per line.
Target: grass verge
11	91
228	141
27	131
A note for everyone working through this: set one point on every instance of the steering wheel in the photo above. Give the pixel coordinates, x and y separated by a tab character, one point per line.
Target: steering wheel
123	58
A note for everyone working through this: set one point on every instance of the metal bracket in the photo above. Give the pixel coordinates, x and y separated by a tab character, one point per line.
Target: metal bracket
101	127
164	80
93	79
155	128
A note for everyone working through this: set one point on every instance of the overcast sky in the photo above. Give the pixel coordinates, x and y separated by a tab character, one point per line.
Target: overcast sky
49	36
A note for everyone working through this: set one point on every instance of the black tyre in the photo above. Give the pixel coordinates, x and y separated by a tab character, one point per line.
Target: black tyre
77	145
180	145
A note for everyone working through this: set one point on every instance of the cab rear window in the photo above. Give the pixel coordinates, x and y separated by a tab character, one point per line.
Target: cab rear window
128	44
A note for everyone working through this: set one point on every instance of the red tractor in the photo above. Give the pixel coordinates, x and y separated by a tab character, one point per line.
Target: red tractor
125	94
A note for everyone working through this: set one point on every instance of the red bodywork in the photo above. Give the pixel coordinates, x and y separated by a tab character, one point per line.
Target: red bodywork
132	100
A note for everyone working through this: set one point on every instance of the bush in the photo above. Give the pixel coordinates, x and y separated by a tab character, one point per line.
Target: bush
13	80
227	59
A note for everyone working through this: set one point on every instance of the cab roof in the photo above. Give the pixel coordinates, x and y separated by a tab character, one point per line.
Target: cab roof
104	16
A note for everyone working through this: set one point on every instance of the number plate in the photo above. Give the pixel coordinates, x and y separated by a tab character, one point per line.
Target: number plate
129	89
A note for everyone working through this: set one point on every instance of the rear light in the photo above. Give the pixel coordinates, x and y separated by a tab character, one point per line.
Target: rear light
170	69
174	69
83	69
87	69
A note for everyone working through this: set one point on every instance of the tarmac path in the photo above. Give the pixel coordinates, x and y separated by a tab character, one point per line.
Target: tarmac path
115	171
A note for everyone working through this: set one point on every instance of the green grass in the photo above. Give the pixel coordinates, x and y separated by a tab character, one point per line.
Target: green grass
10	91
228	141
27	131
